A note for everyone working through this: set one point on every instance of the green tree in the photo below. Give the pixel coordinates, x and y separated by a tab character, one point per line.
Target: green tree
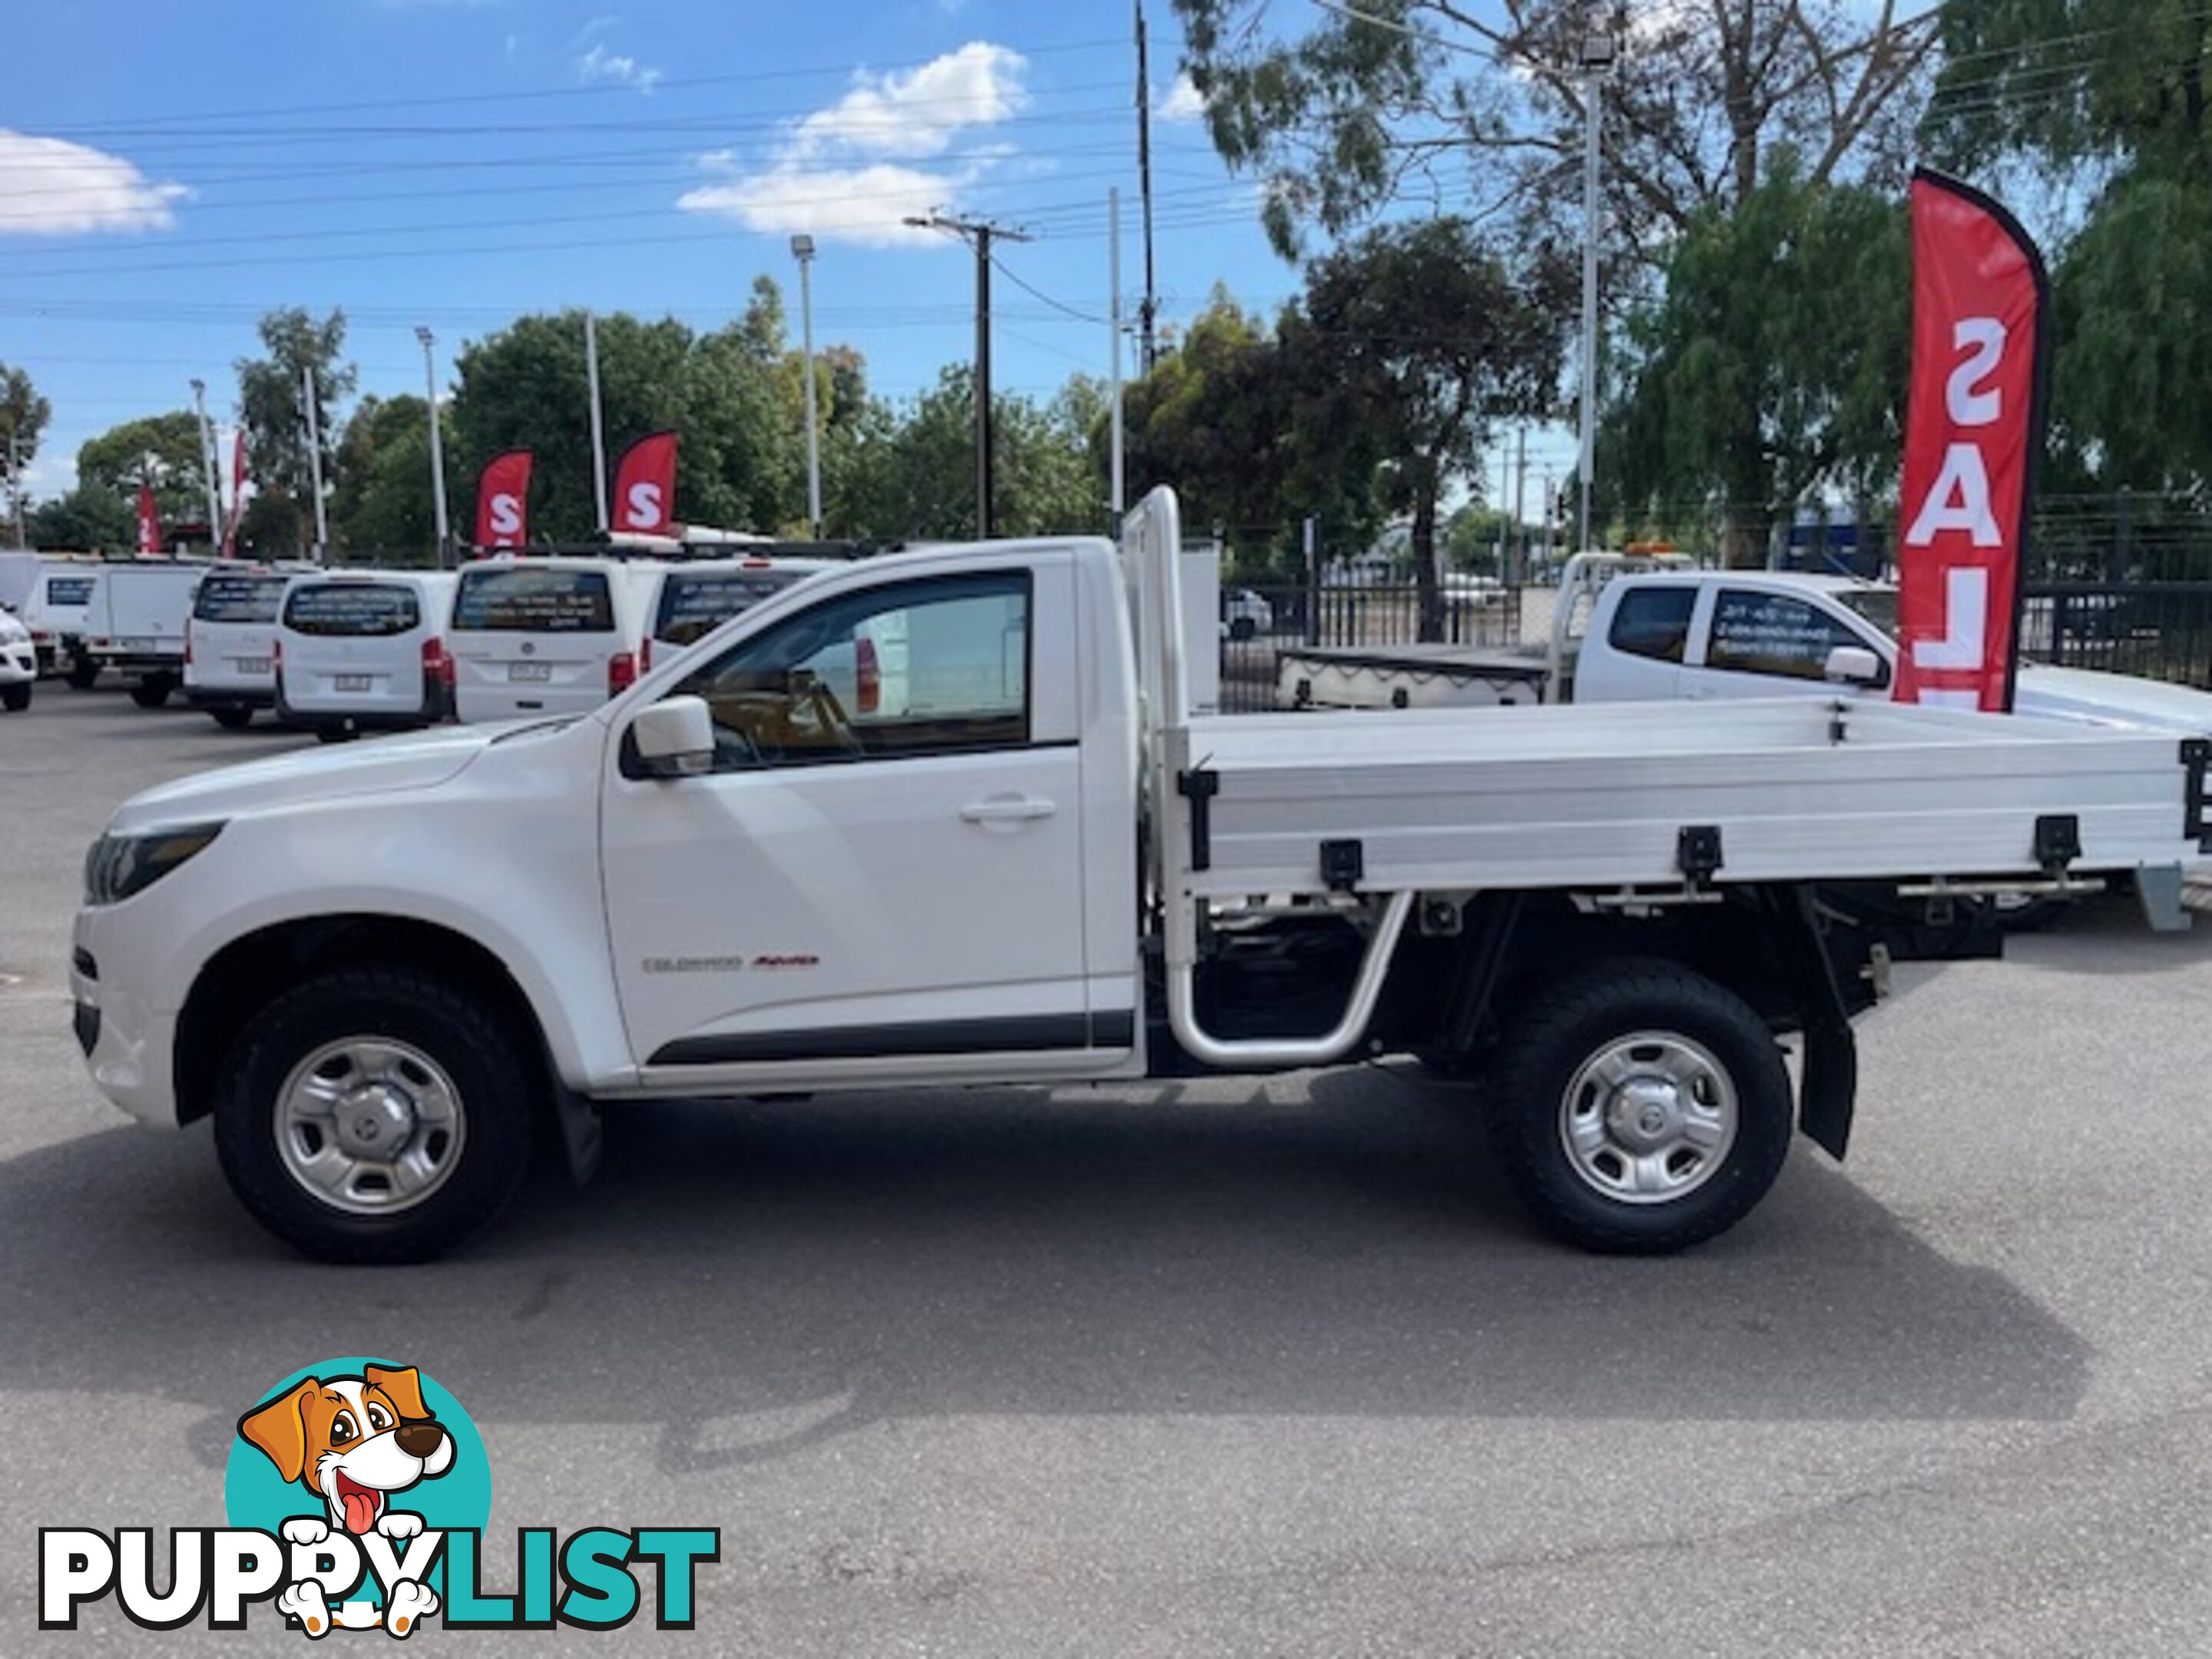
526	386
1409	343
382	500
272	397
1419	100
1773	367
23	416
86	520
164	449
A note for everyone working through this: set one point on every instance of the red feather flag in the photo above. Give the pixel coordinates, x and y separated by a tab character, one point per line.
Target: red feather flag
503	499
645	486
1973	435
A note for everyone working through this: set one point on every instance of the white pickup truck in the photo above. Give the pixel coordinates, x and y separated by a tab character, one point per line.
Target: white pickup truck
1630	630
382	970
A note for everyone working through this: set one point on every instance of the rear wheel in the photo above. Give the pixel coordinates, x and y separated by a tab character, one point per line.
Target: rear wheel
232	719
375	1114
82	674
16	698
151	693
1641	1108
334	734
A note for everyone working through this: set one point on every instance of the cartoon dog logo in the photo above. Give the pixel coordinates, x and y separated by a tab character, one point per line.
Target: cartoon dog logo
354	1442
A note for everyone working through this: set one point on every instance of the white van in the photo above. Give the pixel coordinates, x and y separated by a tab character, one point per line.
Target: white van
56	610
364	651
230	642
547	635
689	601
135	625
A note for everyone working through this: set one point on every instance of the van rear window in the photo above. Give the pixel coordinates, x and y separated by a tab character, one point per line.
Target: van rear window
537	599
225	598
694	603
355	610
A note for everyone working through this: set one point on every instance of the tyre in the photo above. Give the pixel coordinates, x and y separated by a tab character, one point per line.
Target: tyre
151	693
1640	1108
1241	628
334	734
375	1114
232	719
16	698
83	673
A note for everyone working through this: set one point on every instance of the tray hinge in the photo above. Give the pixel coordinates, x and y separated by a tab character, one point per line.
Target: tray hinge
1697	852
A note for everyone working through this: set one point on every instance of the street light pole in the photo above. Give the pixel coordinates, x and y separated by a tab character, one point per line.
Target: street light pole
437	448
315	463
802	249
207	459
1599	50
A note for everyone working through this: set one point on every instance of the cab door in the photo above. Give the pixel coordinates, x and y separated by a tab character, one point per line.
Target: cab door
1759	643
883	874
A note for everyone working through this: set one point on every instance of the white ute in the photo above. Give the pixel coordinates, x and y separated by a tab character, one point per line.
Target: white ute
382	971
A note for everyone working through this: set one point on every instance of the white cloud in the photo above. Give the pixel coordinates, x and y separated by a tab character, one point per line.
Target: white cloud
1181	102
845	173
600	64
50	187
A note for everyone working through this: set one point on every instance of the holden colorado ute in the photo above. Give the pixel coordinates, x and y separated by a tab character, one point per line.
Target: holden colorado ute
382	971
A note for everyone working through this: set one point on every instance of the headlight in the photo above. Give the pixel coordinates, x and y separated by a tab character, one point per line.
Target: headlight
119	866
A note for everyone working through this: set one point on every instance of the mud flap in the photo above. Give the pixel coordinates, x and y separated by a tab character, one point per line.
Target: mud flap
1827	1092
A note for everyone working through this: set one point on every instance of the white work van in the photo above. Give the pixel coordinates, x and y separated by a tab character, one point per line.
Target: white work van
362	651
135	626
539	635
384	973
55	610
19	663
230	642
686	602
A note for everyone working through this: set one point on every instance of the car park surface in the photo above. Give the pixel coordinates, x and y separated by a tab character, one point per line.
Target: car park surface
1209	1367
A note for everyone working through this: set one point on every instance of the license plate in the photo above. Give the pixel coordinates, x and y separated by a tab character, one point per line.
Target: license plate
530	671
137	645
354	682
250	664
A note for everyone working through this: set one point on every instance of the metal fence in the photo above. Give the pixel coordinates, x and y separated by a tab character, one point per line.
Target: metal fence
1259	621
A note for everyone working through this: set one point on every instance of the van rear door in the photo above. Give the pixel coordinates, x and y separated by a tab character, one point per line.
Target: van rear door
536	637
353	645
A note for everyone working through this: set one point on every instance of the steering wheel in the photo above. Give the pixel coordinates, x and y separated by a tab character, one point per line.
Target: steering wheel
828	717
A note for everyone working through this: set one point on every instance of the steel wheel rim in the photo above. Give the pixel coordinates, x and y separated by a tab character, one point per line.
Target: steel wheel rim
1649	1119
369	1125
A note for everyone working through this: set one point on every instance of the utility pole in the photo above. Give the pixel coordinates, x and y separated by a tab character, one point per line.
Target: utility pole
1118	492
978	233
1148	308
437	450
1599	50
1520	502
16	488
315	463
207	459
802	249
599	424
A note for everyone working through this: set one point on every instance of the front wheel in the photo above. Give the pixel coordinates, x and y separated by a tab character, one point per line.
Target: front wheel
16	698
151	693
1642	1109
233	719
375	1114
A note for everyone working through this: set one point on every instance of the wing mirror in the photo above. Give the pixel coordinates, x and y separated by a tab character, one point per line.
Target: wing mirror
1854	664
674	738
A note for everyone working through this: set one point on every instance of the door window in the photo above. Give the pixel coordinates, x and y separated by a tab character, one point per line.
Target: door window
934	667
1774	634
1653	622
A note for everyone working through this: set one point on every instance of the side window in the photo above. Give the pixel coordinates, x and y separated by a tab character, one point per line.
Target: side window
932	667
1653	623
1772	634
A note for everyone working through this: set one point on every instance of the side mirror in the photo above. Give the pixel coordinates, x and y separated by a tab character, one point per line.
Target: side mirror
1853	664
675	738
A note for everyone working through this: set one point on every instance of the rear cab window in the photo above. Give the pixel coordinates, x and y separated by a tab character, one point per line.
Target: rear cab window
226	597
1653	622
353	610
694	603
536	599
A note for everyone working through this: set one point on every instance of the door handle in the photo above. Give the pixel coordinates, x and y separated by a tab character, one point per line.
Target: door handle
1006	809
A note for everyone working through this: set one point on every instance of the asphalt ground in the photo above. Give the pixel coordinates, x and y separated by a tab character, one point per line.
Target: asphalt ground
1216	1368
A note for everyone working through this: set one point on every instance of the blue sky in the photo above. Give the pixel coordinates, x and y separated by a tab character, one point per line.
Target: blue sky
168	171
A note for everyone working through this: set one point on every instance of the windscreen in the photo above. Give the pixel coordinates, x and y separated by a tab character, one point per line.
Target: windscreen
352	609
694	603
534	599
226	597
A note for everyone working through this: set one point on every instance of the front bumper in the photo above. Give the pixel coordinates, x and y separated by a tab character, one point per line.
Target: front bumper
127	1043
